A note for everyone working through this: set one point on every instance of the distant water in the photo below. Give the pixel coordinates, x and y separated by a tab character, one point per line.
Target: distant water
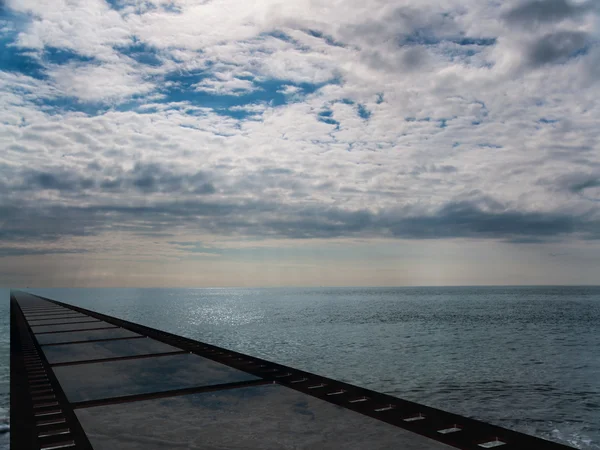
526	358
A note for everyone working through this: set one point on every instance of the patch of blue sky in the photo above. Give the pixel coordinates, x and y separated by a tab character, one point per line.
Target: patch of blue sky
422	36
462	54
59	56
322	141
427	37
171	8
11	20
28	61
459	53
442	121
547	121
141	52
12	57
187	125
483	106
238	114
278	34
488	145
329	121
363	112
414	119
144	109
136	103
328	39
481	42
140	6
117	4
326	116
186	79
62	105
180	87
582	51
175	87
20	60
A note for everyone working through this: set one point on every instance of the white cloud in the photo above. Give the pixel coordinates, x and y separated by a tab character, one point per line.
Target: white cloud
88	27
225	84
444	120
109	82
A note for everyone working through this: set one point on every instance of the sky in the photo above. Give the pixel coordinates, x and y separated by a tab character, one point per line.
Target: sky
305	143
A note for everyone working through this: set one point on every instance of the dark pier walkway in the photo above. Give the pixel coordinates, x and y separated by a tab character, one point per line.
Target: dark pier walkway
84	380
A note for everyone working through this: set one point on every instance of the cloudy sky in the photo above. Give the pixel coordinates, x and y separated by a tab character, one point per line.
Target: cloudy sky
307	142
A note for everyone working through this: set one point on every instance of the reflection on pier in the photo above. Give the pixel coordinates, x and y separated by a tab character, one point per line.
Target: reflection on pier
83	380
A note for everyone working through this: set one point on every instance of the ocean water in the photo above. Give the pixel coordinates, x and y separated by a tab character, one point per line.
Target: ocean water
526	358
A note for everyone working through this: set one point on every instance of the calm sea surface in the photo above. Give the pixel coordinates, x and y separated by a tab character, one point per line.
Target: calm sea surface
526	358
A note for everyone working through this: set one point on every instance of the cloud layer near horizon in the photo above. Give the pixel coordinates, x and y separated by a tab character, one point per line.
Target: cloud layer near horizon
295	120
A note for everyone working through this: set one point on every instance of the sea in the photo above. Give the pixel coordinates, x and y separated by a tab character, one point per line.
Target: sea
525	358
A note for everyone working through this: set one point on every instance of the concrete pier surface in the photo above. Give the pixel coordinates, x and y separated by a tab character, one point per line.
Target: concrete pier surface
84	380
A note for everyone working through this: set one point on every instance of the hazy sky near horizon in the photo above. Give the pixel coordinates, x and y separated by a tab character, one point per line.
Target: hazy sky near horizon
237	143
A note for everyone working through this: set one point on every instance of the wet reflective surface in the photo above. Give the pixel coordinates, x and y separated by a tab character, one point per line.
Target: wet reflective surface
68	327
88	335
138	376
268	417
37	312
54	315
527	355
60	321
58	309
106	349
525	358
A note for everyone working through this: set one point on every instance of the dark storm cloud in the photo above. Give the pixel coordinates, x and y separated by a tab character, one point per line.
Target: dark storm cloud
465	219
155	178
545	11
21	223
146	178
408	38
190	209
414	58
589	183
263	219
322	223
454	220
57	181
574	183
557	47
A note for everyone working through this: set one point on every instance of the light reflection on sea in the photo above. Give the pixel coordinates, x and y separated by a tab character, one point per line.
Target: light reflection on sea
521	357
